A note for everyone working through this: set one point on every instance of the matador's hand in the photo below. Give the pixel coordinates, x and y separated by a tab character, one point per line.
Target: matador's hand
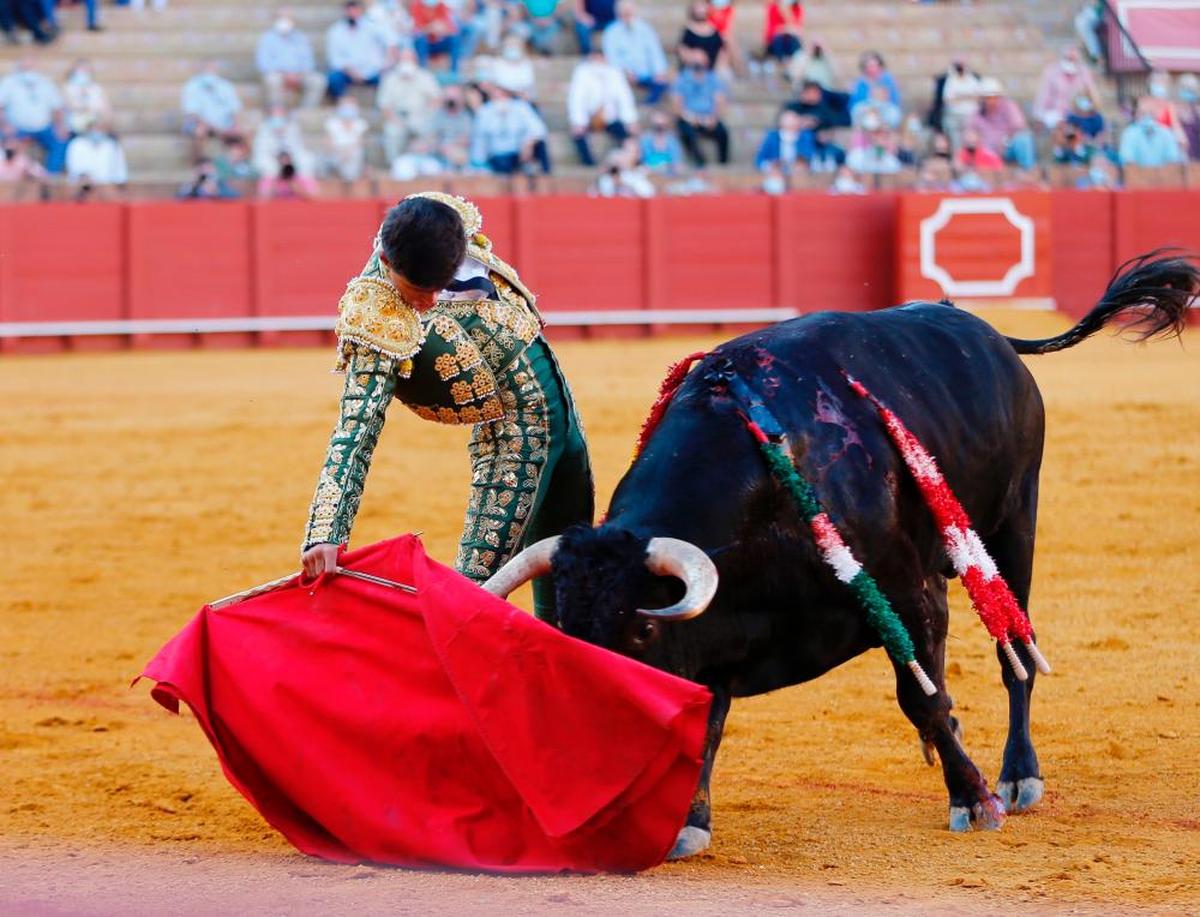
320	558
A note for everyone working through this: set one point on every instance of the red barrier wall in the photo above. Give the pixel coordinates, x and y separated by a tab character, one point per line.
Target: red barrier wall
70	262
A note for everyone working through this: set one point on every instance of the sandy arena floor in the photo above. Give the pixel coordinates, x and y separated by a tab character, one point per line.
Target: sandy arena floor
139	485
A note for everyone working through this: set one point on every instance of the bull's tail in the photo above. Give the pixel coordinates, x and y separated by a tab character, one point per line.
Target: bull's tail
1161	284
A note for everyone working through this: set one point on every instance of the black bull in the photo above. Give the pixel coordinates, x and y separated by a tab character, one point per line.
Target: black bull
779	617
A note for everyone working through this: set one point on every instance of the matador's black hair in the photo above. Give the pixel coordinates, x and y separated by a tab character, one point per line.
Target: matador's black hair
425	241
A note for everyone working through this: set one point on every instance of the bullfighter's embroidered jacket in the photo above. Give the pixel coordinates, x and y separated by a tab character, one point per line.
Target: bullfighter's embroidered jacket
481	362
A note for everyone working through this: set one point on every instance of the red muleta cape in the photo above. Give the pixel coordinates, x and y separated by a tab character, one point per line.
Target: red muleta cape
446	728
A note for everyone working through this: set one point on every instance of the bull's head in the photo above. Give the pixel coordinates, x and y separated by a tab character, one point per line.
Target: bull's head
603	578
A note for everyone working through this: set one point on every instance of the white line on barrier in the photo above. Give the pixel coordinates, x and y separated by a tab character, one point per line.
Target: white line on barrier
325	322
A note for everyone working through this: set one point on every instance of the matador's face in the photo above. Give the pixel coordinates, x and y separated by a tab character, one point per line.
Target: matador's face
419	298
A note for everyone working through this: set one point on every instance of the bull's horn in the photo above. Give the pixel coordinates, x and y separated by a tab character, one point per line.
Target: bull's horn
685	561
532	562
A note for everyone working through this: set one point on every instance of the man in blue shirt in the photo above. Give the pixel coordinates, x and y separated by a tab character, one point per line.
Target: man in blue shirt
508	135
1148	144
285	60
210	108
357	51
633	47
33	106
699	96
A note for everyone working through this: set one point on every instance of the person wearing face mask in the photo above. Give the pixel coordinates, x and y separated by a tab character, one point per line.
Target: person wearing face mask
699	97
450	131
95	159
1084	117
278	133
660	148
1159	103
1061	83
285	61
509	136
633	47
210	108
788	147
345	133
437	321
1187	94
407	98
514	69
599	100
1147	143
33	107
84	99
356	50
699	34
959	98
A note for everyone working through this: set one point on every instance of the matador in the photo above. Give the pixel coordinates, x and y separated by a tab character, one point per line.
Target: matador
439	322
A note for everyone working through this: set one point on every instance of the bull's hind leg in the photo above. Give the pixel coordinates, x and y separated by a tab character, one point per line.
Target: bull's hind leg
1021	786
927	616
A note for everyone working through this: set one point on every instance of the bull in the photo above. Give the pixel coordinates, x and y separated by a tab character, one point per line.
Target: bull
704	568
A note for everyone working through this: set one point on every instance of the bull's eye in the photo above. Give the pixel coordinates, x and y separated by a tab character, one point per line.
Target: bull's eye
646	631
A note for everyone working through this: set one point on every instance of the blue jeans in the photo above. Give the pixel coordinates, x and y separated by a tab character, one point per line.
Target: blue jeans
55	147
542	34
1021	150
340	81
654	88
426	49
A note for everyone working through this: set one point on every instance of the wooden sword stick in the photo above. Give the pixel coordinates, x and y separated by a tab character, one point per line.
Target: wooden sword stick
293	577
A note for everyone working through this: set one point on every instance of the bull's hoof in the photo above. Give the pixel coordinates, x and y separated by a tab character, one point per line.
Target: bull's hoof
1021	796
983	816
691	840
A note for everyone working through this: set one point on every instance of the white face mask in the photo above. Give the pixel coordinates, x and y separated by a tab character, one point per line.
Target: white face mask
347	111
774	184
80	78
1068	66
284	26
1159	91
407	67
512	53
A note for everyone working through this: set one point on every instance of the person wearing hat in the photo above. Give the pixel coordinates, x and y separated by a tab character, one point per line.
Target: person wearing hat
438	322
1001	126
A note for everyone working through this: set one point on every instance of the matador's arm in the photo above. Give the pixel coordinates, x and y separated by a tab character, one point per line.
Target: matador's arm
370	383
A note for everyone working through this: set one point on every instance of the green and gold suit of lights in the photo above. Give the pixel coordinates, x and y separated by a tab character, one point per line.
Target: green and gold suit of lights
479	362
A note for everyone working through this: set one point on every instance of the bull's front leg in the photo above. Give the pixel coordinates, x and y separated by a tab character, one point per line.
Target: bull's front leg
696	834
927	618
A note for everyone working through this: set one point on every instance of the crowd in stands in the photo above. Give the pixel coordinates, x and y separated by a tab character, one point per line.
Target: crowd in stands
417	88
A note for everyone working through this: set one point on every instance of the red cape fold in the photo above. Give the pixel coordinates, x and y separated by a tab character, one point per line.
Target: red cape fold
446	728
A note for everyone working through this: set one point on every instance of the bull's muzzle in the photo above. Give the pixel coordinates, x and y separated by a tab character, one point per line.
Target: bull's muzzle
664	557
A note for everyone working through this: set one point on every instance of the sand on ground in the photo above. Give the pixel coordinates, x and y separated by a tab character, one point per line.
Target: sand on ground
140	485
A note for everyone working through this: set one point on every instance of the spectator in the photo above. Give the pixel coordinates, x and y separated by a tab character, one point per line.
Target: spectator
1084	117
95	160
278	133
485	24
31	104
85	101
1001	127
976	156
1188	94
515	69
599	99
846	182
435	33
700	34
286	182
234	166
450	130
660	149
592	17
960	99
632	46
1147	143
542	24
827	109
622	176
700	97
210	107
356	51
205	184
509	136
1071	146
720	16
286	62
880	105
812	65
782	29
18	168
31	15
1061	83
345	132
393	20
788	147
876	152
874	73
408	96
1087	26
1158	101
